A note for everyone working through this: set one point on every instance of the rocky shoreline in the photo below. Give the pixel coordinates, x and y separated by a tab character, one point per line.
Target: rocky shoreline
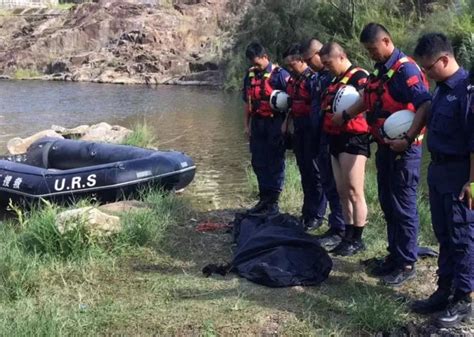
120	42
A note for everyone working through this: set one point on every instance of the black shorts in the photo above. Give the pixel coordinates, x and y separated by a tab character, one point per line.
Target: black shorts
350	143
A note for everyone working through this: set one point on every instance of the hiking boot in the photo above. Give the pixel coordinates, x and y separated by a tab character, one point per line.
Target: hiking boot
399	276
348	247
330	239
438	301
384	268
312	223
459	310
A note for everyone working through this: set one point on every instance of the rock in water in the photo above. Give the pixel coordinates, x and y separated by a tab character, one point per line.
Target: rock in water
19	145
104	132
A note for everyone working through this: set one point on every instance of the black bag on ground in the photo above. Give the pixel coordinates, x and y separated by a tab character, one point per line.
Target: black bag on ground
275	252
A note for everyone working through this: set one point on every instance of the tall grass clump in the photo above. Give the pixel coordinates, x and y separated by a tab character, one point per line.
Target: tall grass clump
141	136
17	270
373	311
40	234
26	319
149	226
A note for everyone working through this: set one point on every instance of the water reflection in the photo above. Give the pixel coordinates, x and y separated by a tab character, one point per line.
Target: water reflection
204	123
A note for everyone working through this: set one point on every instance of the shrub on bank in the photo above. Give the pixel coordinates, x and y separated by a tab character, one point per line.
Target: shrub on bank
279	23
33	239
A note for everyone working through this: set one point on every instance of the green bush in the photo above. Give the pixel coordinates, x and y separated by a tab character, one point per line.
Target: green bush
141	136
279	23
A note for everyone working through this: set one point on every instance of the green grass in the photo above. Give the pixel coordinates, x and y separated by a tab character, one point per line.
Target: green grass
25	74
147	279
63	6
17	269
142	136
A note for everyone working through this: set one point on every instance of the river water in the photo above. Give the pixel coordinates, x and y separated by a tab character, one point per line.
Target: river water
204	123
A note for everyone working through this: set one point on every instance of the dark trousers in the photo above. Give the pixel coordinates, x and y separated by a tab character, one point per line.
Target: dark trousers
453	224
335	220
398	175
306	148
268	153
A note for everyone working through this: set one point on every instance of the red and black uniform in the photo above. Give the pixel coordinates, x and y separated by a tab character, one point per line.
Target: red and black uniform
381	102
259	89
397	84
299	89
266	140
306	144
353	136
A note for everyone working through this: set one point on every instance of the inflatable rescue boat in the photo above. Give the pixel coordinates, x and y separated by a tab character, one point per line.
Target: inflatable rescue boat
64	170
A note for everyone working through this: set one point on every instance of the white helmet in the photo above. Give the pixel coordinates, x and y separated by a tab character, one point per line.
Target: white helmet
279	100
345	97
397	124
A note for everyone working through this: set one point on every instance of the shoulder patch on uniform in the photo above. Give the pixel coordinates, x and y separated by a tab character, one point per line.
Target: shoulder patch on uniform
413	80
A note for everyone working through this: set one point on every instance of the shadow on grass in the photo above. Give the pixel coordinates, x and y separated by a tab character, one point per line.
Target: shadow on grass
347	299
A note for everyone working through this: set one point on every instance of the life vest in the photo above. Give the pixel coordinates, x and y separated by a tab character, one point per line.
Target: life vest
259	92
300	95
381	104
356	125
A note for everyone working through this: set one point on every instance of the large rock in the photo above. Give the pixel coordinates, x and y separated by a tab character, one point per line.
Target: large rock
19	145
96	223
104	132
76	132
124	206
122	42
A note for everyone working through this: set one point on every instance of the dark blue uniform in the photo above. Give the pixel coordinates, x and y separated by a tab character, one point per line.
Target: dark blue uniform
305	146
335	220
450	142
398	174
266	140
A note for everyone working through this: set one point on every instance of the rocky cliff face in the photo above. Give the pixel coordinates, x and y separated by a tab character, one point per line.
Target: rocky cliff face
122	42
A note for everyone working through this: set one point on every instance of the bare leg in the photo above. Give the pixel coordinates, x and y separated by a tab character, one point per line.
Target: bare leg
353	175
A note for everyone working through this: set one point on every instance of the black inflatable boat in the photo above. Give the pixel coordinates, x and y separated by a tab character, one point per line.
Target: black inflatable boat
62	170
